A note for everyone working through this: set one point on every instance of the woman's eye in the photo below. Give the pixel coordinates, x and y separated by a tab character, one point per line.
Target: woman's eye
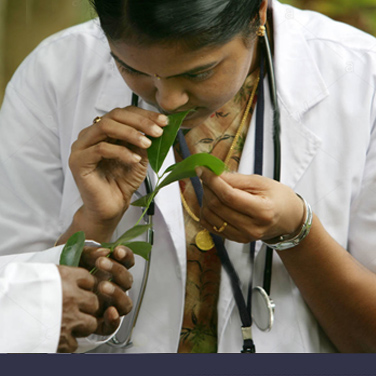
128	71
200	76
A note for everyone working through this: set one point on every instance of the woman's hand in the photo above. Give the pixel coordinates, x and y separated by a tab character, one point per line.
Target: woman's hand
254	207
109	162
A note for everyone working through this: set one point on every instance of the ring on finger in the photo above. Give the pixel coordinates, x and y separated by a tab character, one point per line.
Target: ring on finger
221	229
97	119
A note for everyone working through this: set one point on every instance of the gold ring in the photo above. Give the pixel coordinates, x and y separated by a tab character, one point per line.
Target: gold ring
221	229
97	119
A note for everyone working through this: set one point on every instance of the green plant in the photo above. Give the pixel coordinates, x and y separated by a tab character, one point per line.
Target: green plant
157	153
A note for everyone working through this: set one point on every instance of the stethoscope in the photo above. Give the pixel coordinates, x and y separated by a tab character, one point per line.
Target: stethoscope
259	307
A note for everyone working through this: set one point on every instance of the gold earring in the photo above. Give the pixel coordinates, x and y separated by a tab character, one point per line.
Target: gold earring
261	31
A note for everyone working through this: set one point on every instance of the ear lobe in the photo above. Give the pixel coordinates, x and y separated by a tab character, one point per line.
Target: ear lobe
263	12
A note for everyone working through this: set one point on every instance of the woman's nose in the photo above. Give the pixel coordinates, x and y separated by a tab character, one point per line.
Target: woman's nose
170	96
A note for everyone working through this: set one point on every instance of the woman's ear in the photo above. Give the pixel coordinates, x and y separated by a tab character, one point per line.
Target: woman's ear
263	12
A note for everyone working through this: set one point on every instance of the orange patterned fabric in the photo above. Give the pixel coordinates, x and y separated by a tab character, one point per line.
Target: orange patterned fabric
215	136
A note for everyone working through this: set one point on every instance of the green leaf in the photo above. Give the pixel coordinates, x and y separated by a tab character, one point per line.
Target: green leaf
143	202
72	250
128	235
186	168
160	146
142	249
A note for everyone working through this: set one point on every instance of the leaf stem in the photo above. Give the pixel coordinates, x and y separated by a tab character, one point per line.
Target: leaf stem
155	190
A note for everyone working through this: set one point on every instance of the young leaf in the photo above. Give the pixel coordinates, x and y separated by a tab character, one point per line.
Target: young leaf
186	168
72	250
128	235
160	146
143	201
142	249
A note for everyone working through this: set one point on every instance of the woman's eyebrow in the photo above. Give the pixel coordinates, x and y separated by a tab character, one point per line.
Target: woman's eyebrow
191	71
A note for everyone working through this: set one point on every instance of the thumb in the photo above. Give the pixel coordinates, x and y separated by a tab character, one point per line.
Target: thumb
205	174
244	182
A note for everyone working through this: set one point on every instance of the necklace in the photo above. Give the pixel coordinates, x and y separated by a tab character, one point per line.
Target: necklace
203	238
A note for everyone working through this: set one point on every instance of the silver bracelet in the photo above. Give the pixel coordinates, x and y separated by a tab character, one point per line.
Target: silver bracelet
286	241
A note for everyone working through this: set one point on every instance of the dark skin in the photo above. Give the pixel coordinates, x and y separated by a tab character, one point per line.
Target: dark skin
253	207
109	158
92	304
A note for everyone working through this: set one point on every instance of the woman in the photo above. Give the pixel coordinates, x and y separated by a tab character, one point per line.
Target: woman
205	55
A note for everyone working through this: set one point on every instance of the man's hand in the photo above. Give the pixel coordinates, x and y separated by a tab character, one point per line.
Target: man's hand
114	280
80	305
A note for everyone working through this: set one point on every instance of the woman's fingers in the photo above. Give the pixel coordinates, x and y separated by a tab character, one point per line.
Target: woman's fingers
104	150
253	207
127	125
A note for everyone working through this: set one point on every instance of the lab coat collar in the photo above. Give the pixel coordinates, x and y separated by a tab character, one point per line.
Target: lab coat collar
303	87
114	92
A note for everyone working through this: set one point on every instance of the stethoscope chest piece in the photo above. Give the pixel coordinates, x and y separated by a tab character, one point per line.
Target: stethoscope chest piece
262	309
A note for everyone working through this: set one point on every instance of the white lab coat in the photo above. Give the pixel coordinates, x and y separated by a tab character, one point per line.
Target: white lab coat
326	74
27	324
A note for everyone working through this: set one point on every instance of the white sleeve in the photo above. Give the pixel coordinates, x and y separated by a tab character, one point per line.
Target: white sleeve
30	308
30	284
362	233
31	174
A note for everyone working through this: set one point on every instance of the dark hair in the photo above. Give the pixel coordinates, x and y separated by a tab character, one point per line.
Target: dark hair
197	23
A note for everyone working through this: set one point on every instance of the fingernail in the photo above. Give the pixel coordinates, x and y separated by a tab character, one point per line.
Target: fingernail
105	264
136	157
199	171
157	131
145	142
108	288
163	119
102	251
115	315
121	252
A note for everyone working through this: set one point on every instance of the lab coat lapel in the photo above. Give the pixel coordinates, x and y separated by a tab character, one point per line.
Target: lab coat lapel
168	202
115	92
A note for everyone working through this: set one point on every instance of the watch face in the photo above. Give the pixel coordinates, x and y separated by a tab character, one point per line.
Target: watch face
262	309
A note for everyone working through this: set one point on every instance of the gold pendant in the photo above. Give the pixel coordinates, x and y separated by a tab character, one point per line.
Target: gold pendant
204	240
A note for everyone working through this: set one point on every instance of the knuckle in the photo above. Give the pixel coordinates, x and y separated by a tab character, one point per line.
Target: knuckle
115	113
258	233
72	158
102	125
211	203
227	198
268	216
81	134
94	303
101	148
145	122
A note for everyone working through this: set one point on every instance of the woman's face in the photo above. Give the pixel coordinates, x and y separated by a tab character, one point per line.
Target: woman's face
173	79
